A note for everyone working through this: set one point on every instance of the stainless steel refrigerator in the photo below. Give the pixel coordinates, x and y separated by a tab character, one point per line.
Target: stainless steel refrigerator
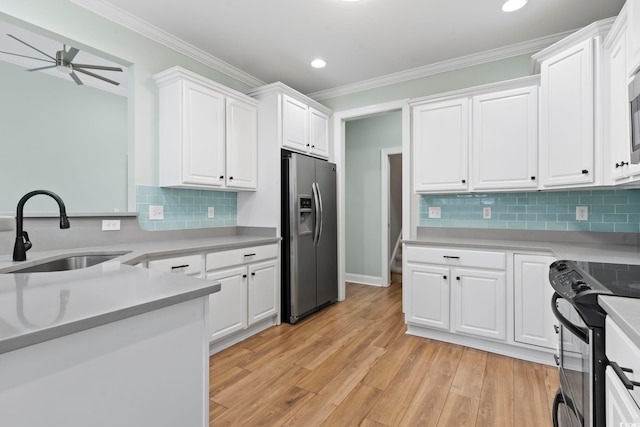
309	235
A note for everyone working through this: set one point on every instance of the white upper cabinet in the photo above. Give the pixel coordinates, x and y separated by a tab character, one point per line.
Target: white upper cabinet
440	146
295	124
484	139
294	121
242	140
633	45
208	134
567	116
318	133
505	140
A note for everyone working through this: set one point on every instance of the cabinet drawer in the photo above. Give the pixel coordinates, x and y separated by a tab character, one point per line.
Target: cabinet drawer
621	350
191	265
223	259
456	257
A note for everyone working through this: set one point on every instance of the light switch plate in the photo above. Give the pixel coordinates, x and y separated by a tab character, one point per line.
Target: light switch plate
434	212
156	212
486	213
110	224
582	213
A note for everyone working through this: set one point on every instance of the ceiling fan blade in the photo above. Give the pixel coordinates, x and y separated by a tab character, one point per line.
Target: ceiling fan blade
25	56
70	54
97	67
34	48
75	78
113	82
42	68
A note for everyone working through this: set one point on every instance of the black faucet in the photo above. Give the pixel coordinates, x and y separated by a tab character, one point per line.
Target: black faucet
23	244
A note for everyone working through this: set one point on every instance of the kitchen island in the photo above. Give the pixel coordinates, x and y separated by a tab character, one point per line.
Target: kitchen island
106	345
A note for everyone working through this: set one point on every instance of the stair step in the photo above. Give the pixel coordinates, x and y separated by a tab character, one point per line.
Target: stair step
396	269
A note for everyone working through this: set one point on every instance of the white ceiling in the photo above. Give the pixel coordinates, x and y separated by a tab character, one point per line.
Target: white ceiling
275	40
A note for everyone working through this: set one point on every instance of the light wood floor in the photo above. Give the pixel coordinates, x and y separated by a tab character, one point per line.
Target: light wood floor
352	365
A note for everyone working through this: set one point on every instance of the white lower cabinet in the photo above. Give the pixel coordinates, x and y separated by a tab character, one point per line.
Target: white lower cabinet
428	300
533	318
480	303
249	296
621	409
228	308
263	291
453	297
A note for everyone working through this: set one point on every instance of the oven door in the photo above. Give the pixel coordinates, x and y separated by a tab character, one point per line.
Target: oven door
572	405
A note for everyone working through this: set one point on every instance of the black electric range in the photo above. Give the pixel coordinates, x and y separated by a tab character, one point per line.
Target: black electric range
580	401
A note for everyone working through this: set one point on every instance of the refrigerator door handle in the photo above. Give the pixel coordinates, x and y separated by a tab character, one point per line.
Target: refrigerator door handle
316	204
321	213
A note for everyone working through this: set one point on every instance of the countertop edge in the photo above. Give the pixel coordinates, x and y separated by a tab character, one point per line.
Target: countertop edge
53	332
611	305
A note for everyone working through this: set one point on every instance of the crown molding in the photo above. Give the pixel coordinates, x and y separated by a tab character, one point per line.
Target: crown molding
523	48
133	23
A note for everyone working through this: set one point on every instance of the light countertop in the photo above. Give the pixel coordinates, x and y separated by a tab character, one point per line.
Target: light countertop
36	307
625	312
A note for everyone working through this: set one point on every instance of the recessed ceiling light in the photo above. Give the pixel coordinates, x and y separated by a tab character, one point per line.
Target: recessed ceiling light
349	0
513	5
318	63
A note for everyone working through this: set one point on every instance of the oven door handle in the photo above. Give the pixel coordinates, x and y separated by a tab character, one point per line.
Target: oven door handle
580	332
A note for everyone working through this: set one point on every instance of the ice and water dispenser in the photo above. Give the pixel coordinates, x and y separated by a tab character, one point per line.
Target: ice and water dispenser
305	218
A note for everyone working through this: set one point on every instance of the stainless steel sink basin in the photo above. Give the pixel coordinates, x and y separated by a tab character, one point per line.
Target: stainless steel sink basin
72	262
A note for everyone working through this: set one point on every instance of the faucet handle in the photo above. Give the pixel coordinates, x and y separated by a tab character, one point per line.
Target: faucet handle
27	242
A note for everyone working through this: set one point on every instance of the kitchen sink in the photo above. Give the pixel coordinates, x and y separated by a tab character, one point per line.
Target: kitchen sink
71	262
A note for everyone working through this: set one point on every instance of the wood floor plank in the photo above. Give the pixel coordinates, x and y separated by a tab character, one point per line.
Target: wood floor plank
353	410
496	399
470	373
427	404
397	396
459	411
353	364
383	372
530	395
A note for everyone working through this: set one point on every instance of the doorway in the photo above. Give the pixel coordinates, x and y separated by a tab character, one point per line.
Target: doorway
391	211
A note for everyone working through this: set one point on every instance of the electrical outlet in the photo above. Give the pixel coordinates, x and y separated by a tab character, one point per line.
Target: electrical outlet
434	212
486	213
210	212
156	212
110	224
582	213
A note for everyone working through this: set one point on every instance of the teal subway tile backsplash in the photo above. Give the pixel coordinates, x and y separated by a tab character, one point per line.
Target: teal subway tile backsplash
609	210
184	208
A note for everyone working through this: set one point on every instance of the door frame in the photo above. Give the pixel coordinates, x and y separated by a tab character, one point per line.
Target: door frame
339	120
385	188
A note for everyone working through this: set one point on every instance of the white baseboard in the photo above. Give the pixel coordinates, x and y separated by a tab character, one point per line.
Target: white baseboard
365	280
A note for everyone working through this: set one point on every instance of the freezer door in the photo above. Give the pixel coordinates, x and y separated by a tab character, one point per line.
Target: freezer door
302	286
327	245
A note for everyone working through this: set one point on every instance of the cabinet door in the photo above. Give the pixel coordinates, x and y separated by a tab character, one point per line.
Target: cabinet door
263	291
633	47
228	308
295	133
621	409
242	145
427	302
440	146
479	302
505	126
534	319
203	154
567	117
618	123
318	133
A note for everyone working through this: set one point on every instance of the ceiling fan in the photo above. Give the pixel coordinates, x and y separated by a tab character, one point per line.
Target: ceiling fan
63	63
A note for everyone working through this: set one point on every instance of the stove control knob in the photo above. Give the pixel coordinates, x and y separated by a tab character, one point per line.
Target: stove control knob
580	286
561	266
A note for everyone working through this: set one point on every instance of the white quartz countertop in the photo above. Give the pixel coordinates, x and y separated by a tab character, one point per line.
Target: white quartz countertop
625	312
36	307
578	251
